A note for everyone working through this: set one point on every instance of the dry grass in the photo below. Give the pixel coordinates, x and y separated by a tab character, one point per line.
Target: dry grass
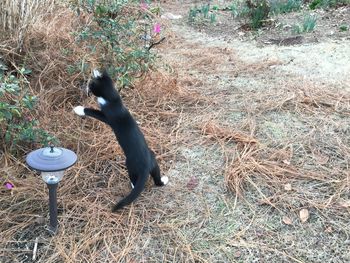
289	150
88	230
319	156
17	17
92	185
214	131
183	223
281	174
301	160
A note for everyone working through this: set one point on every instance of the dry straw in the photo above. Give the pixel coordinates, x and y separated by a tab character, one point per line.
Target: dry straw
88	230
255	167
17	16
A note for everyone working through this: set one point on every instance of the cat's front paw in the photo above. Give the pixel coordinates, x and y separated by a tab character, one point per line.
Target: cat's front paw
79	110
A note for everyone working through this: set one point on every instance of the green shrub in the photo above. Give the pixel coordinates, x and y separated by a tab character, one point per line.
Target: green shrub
212	18
18	127
286	6
234	9
119	37
343	28
192	14
308	25
327	3
315	4
239	9
202	14
259	10
205	10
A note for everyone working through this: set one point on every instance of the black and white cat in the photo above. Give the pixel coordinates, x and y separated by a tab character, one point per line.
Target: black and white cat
140	160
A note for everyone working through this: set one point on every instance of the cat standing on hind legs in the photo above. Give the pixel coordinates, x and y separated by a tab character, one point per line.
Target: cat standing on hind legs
140	160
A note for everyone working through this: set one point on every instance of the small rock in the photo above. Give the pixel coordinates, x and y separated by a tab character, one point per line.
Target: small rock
171	16
287	220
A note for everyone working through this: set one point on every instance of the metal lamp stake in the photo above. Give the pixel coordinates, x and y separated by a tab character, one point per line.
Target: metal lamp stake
51	162
53	206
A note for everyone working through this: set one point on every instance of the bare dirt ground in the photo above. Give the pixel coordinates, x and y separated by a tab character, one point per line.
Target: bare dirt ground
295	101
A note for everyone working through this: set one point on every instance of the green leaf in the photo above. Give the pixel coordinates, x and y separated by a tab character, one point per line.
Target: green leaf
27	71
16	112
101	10
29	101
7	136
7	114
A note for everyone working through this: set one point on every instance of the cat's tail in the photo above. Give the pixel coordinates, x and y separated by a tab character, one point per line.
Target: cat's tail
135	192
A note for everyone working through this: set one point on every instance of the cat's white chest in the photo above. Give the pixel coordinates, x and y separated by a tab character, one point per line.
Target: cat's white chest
101	101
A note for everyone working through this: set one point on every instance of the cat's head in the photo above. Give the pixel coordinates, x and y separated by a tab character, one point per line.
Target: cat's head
101	85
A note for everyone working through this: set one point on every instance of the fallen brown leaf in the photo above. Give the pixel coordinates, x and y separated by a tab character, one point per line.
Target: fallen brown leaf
286	162
304	215
345	203
288	187
328	229
237	254
321	158
287	220
192	183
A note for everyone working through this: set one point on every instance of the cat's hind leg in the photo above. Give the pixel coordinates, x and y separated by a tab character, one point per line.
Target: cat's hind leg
133	179
155	173
135	192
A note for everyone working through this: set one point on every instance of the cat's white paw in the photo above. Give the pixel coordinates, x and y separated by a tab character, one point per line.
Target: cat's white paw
79	110
96	73
165	179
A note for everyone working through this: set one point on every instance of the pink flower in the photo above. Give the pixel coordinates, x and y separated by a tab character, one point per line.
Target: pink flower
144	5
156	28
9	185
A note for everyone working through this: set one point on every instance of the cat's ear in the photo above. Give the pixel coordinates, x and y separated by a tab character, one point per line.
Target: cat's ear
96	73
105	73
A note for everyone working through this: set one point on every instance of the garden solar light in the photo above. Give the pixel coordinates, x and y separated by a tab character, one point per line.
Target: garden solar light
51	162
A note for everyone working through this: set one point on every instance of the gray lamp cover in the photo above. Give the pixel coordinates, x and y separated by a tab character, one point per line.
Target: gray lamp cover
51	159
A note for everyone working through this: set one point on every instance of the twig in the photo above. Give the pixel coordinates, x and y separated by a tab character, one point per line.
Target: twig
35	249
156	43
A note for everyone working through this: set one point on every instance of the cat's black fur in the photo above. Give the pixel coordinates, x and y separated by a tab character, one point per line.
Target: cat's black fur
140	160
